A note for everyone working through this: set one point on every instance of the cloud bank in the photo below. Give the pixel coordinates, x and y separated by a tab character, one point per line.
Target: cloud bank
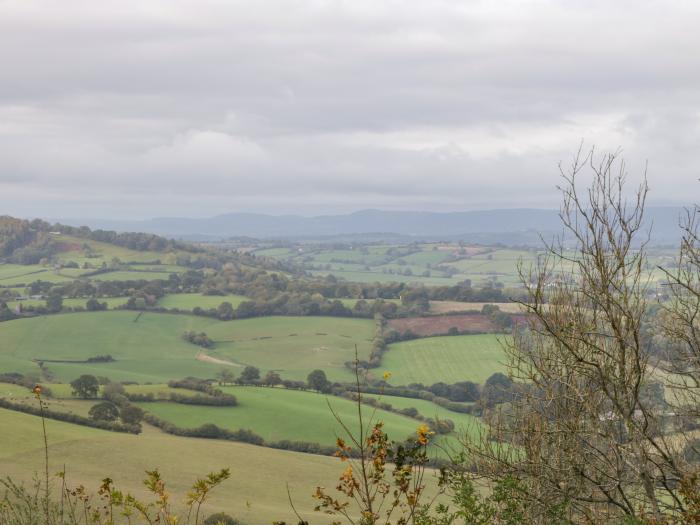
193	108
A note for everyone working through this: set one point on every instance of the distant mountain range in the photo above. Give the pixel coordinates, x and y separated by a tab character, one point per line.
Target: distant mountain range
507	226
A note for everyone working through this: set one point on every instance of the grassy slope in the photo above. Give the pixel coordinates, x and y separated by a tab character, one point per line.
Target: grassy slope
258	478
278	414
148	350
273	413
447	359
294	346
152	350
105	252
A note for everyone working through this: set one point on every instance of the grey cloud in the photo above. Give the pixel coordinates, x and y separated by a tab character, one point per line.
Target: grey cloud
270	106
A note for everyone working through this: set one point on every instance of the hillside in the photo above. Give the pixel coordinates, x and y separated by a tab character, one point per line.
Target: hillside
90	454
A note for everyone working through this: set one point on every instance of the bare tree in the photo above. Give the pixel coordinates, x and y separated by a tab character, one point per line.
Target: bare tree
581	435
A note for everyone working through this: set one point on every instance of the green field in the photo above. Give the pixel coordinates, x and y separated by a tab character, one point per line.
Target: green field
389	263
372	277
72	302
447	359
148	350
152	350
137	264
29	274
277	414
463	422
256	492
181	301
99	252
293	346
274	413
188	301
122	275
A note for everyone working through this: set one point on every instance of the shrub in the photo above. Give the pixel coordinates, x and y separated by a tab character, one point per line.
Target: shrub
219	400
200	385
104	411
220	518
199	339
112	389
131	415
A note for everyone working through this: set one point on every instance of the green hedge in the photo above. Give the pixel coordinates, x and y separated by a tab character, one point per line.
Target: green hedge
70	418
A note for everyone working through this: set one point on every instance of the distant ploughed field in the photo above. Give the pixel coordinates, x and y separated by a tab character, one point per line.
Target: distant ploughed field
440	324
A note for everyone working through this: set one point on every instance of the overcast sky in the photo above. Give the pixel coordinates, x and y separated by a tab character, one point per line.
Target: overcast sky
194	108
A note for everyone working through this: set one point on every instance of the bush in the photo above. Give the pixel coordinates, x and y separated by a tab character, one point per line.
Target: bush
199	339
93	305
200	385
104	411
112	389
223	400
131	415
220	518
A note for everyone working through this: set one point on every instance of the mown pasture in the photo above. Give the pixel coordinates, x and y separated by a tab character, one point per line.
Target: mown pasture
148	347
294	346
278	414
448	359
275	414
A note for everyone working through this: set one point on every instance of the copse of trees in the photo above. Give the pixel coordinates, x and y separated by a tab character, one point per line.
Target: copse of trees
199	339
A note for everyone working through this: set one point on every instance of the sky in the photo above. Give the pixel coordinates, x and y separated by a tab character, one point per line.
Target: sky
138	109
